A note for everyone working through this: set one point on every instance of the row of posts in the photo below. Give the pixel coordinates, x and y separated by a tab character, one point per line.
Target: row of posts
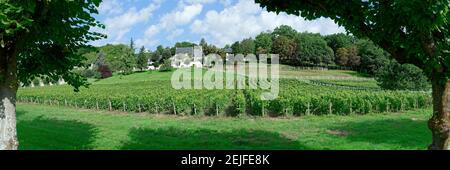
156	107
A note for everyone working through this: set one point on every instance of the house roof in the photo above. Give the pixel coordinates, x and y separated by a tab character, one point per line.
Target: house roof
228	50
184	50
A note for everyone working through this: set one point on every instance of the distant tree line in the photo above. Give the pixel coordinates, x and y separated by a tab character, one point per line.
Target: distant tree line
334	51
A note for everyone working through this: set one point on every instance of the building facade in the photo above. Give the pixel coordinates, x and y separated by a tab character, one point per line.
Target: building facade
186	57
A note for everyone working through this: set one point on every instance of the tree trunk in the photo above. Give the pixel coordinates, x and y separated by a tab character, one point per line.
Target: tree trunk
8	89
8	134
439	124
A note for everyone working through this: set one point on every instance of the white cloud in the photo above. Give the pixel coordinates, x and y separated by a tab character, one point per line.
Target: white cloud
199	1
118	26
149	38
146	42
175	34
188	19
247	19
152	31
111	7
182	16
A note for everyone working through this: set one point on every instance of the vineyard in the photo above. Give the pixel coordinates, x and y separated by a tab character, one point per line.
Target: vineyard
156	95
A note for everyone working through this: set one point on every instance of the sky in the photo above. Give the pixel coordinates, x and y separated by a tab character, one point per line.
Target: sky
164	22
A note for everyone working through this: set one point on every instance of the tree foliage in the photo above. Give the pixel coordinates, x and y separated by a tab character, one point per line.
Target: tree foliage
373	58
342	56
132	45
340	40
184	44
313	49
166	66
203	42
104	71
285	47
395	76
142	61
248	46
47	35
412	31
353	58
236	47
285	30
126	61
211	49
166	53
263	43
113	55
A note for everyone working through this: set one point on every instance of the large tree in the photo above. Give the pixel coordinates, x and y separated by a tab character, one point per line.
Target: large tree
263	43
142	60
313	49
126	61
412	31
248	46
342	56
354	60
285	30
340	40
166	53
114	55
40	38
373	58
236	47
184	44
285	47
132	45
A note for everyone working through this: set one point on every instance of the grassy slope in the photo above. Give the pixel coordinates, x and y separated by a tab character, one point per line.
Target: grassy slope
136	77
285	72
45	127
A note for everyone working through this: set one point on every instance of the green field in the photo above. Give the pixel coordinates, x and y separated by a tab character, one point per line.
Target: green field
152	92
50	127
143	111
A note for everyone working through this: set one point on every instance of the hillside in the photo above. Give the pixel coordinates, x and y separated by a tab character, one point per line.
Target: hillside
345	92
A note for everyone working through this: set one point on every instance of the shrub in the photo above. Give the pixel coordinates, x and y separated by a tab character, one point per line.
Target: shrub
237	104
395	76
88	73
166	66
104	71
36	82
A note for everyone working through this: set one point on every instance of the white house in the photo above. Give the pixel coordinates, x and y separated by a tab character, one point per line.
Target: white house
188	57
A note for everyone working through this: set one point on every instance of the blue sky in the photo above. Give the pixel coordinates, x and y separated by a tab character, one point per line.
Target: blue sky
220	22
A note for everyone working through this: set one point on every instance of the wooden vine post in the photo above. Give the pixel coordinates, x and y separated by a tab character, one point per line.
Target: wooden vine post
217	110
308	110
195	110
330	108
110	105
174	108
139	107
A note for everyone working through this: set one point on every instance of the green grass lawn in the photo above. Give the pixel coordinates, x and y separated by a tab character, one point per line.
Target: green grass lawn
49	127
